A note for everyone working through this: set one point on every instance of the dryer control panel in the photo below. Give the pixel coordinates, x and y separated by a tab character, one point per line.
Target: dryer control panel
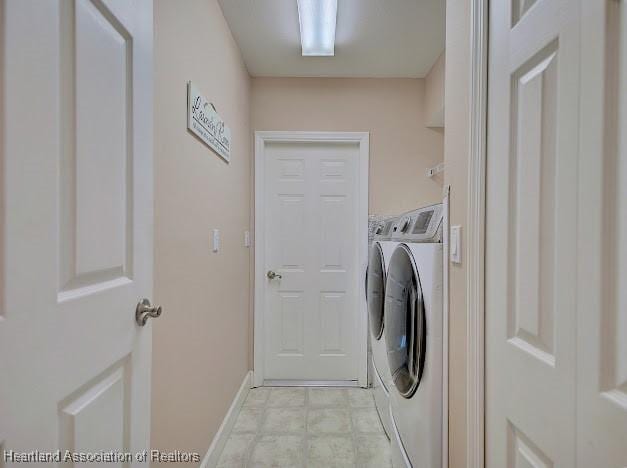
421	225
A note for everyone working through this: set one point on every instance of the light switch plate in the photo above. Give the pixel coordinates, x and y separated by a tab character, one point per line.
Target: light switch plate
216	240
456	244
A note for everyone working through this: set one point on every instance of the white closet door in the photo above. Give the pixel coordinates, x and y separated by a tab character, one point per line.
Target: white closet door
602	285
531	282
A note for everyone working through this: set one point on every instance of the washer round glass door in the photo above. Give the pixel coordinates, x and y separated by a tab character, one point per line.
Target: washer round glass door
405	322
376	290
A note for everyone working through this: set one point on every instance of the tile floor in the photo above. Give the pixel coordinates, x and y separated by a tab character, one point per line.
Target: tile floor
307	428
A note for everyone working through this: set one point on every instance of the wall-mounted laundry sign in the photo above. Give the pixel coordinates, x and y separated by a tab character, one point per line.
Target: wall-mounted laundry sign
204	122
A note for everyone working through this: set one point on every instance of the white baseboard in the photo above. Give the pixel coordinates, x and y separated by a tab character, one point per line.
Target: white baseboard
215	449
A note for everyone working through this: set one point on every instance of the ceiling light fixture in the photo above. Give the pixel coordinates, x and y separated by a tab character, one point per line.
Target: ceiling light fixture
317	26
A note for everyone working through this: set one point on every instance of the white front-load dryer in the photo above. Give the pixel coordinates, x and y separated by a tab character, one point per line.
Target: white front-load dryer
378	261
413	336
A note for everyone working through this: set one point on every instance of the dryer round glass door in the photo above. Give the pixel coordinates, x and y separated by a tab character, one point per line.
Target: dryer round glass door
376	290
405	322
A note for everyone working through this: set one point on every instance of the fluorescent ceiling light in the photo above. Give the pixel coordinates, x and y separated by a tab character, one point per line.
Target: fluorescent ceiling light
317	26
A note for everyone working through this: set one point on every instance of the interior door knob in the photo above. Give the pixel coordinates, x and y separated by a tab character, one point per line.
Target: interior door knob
146	310
272	275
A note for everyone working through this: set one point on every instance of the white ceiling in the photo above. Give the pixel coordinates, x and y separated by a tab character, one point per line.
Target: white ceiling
374	38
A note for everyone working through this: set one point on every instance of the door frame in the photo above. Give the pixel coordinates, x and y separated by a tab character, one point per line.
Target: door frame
475	233
261	139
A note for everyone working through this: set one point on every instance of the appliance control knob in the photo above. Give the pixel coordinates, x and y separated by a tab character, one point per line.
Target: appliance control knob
403	225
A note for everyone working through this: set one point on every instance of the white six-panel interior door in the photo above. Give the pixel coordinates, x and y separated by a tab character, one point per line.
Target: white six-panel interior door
311	228
556	264
76	224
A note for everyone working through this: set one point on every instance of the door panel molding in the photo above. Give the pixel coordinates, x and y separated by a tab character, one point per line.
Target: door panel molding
262	138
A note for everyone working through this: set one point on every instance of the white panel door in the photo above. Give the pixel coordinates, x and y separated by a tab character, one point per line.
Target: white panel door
531	233
76	225
602	291
311	312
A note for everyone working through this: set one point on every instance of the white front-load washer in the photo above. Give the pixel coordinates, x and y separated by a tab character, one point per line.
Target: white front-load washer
413	336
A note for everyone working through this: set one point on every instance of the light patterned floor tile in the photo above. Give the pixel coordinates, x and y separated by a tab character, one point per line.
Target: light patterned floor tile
312	427
257	397
360	398
366	420
327	397
277	451
285	397
373	451
328	420
330	452
248	420
284	420
235	451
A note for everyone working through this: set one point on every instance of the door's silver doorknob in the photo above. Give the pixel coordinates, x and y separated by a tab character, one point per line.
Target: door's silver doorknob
144	311
272	275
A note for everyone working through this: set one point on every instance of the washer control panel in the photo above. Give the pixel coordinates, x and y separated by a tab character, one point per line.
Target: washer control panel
385	229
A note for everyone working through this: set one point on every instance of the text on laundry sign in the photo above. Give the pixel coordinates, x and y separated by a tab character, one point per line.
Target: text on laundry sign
206	124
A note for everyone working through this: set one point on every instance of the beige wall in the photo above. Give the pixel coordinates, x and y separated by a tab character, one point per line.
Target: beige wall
200	347
401	147
434	93
456	151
